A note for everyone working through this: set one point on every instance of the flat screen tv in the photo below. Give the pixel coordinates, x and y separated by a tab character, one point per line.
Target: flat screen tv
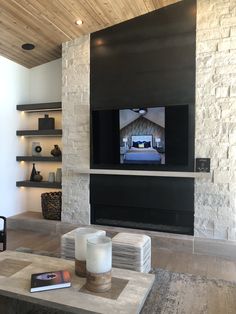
143	138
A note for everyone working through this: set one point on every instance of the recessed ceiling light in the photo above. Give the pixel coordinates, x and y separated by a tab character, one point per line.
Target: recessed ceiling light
28	46
79	22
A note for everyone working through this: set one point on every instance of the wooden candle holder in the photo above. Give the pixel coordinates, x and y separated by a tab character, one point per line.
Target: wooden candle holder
98	282
80	268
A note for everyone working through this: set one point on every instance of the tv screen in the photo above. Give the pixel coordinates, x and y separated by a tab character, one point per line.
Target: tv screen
142	135
145	138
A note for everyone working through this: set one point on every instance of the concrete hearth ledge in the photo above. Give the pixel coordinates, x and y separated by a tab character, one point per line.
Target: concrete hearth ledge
33	221
128	299
183	174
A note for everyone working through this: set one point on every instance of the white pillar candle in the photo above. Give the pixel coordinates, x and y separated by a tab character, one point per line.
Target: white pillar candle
81	236
99	254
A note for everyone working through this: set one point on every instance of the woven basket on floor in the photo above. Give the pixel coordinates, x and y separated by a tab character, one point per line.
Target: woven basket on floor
51	205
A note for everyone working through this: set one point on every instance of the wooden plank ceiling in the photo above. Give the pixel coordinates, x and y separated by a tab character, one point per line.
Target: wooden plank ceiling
49	23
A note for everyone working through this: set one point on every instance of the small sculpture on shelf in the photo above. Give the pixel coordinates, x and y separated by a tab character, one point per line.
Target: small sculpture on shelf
36	149
38	177
56	152
35	175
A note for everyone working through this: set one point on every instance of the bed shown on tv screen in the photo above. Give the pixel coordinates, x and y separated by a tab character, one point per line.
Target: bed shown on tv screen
142	135
141	151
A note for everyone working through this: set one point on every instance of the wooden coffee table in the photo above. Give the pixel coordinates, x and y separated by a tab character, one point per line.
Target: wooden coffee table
128	293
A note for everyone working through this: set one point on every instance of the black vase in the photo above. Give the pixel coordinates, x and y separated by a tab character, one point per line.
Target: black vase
56	152
33	173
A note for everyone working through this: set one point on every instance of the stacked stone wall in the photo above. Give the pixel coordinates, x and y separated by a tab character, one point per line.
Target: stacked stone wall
215	134
75	124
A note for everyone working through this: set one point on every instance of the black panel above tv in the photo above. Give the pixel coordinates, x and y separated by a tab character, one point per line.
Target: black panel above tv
146	61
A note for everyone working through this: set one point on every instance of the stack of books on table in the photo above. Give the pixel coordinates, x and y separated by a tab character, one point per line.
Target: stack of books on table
131	251
68	245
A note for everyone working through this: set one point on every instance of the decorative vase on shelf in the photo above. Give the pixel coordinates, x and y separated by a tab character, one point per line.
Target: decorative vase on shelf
38	177
58	175
56	152
33	173
51	177
46	123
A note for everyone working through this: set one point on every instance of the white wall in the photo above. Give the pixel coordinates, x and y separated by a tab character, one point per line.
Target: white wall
45	82
14	89
21	85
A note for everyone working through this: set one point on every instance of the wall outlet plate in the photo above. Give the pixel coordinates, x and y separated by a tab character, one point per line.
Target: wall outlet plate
203	164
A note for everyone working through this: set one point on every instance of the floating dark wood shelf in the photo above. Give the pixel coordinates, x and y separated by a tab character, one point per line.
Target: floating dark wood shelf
42	184
39	158
56	132
51	106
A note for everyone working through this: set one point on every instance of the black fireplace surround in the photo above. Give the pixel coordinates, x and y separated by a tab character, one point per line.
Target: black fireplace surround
153	203
147	61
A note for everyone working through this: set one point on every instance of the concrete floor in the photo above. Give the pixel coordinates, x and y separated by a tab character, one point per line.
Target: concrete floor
184	262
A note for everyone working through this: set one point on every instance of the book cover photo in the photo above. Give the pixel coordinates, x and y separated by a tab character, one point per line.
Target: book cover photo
50	280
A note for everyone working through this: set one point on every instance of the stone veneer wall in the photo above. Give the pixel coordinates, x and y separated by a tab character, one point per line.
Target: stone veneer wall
75	124
215	202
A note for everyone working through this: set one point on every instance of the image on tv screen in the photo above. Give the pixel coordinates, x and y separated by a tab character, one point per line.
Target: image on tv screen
142	136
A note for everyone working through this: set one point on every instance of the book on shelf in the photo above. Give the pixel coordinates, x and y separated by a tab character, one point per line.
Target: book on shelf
50	280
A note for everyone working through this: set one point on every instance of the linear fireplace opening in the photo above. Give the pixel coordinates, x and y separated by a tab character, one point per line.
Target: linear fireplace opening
148	203
144	226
